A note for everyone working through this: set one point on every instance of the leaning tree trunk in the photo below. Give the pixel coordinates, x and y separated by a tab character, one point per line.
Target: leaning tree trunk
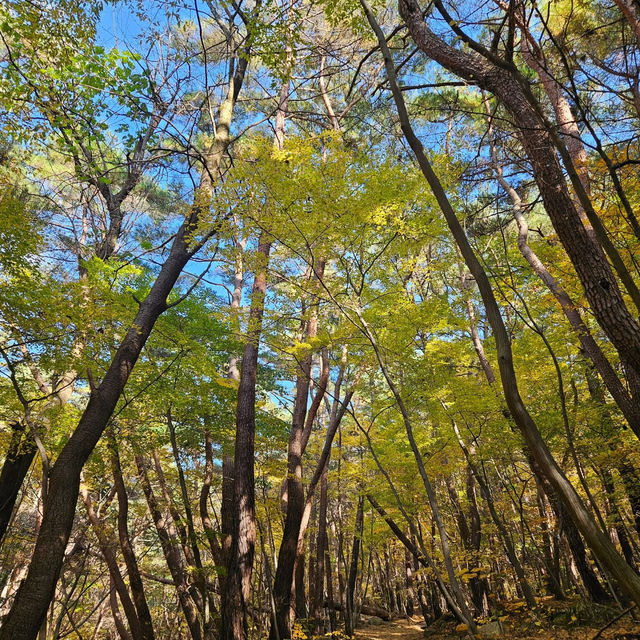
22	450
35	594
584	251
622	328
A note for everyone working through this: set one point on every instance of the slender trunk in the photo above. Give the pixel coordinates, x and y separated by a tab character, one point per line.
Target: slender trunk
350	613
503	534
226	509
616	516
107	548
408	583
173	554
186	501
115	613
203	504
318	594
418	552
333	622
298	438
135	579
551	559
235	598
454	584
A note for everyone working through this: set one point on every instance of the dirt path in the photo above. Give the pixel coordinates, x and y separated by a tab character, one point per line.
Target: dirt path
408	630
396	630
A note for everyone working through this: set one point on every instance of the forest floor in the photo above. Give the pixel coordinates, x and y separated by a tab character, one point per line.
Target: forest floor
394	630
517	626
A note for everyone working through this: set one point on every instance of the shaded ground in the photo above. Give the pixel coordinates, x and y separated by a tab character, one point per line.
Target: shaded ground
515	628
396	630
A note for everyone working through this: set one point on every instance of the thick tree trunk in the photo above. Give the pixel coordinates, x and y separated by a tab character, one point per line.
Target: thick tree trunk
295	510
585	252
32	600
226	509
299	596
628	404
16	465
588	576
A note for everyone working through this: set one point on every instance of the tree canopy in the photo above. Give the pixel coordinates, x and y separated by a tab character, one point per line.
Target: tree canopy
316	314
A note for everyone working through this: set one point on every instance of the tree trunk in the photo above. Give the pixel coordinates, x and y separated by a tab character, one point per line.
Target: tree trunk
585	252
628	404
333	622
16	465
32	600
235	598
173	554
135	579
298	438
618	522
107	548
408	583
350	613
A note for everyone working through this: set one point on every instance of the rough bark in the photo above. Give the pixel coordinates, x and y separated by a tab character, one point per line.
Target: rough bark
240	561
507	84
607	303
629	405
35	593
16	465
